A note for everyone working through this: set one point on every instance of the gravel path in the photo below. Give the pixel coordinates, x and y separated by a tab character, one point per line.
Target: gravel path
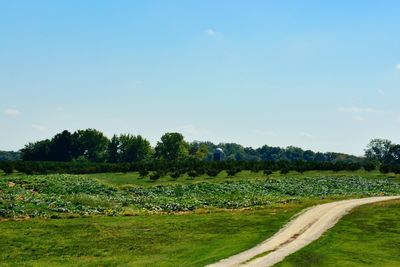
301	231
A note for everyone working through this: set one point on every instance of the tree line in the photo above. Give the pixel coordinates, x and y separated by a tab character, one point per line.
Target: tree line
93	146
384	154
90	151
9	155
191	167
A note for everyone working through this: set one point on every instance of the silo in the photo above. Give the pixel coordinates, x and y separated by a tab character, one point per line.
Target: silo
218	154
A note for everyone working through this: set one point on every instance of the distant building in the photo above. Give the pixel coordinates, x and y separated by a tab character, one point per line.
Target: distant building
218	154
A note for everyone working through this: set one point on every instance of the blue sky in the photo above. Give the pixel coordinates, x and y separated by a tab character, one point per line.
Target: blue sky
318	75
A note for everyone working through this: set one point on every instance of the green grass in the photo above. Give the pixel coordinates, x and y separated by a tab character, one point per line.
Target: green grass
193	239
368	236
121	179
205	234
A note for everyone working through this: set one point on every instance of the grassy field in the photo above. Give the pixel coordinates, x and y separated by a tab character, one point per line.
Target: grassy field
183	222
191	239
121	179
368	236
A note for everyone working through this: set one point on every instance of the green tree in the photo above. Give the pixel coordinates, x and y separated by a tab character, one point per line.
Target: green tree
134	148
198	150
113	150
90	143
393	156
378	149
61	147
38	151
172	147
308	155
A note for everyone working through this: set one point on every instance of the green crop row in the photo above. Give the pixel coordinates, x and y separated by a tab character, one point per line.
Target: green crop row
61	194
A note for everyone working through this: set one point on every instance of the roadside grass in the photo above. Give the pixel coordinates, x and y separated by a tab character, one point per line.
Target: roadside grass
368	236
133	178
193	239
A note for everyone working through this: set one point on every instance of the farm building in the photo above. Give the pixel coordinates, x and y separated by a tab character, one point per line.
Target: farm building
218	154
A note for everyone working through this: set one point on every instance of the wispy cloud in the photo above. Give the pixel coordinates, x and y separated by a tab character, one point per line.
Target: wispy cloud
358	110
211	32
189	129
358	118
398	67
307	135
39	127
12	112
359	114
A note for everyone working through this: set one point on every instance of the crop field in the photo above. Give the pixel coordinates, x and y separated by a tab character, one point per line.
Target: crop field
133	178
368	236
67	195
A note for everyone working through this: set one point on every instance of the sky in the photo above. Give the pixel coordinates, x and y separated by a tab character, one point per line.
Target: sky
320	75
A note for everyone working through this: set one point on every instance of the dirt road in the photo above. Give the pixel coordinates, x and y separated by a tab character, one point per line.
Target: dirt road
298	233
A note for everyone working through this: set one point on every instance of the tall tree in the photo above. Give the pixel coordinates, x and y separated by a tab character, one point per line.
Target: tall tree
198	150
308	155
378	149
90	143
393	157
172	147
134	148
61	147
113	150
38	151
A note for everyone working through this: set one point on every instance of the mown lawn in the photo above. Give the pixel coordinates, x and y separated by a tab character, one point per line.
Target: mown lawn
368	236
193	239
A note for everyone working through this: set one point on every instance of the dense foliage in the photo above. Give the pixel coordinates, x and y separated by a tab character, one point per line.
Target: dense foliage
175	168
9	155
385	154
55	195
91	145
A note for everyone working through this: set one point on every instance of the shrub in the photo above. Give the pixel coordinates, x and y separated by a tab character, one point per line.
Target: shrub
267	172
284	171
143	173
192	174
213	172
369	166
176	174
384	169
155	176
7	167
232	172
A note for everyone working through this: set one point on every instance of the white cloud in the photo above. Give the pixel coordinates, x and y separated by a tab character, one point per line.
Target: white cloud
398	67
360	114
39	127
12	112
307	135
358	118
358	110
189	129
211	32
